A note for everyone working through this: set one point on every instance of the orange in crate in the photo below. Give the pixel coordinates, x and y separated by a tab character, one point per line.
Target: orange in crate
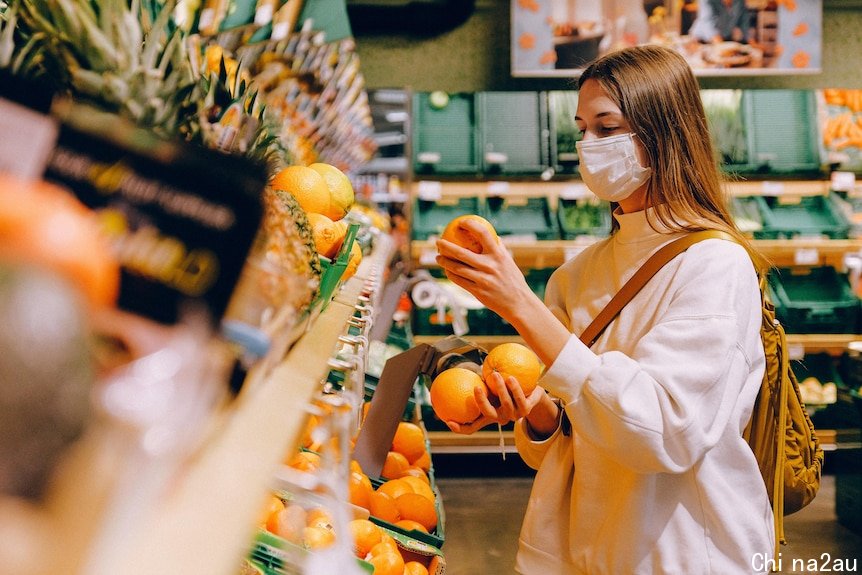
409	440
418	508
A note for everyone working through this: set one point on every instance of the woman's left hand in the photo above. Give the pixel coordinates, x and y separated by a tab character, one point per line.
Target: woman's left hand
507	404
492	276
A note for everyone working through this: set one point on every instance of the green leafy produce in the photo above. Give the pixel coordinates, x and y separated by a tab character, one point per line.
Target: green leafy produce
726	124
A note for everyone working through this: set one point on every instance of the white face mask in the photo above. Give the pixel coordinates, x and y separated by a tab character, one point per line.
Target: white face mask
610	168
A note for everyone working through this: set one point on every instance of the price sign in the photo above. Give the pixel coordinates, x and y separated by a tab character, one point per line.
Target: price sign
575	192
806	256
498	188
772	188
430	191
843	181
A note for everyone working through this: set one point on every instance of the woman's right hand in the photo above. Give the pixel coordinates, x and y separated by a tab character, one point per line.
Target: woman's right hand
508	404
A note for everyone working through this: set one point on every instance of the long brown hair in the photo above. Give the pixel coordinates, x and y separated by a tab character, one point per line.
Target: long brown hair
659	96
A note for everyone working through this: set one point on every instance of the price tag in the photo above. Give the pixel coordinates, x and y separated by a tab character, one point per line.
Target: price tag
27	139
575	192
498	188
796	352
430	191
806	256
571	251
843	181
772	188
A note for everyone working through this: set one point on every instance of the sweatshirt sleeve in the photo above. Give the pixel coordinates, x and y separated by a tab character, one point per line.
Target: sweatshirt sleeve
530	450
661	407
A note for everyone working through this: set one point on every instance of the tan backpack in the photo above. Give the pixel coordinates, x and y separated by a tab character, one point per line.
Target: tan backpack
780	432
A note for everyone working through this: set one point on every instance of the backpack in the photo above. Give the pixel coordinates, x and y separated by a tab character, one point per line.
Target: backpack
780	432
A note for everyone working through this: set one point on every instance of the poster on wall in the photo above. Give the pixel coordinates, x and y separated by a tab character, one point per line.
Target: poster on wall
559	38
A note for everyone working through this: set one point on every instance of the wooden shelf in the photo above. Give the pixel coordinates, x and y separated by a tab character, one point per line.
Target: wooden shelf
553	253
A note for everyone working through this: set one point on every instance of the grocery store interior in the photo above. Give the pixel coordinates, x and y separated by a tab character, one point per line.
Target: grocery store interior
222	309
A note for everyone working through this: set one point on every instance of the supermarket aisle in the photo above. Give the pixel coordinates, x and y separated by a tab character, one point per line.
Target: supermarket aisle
483	516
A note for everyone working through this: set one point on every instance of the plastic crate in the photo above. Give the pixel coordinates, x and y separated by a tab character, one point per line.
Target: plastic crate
430	217
727	127
812	216
781	131
444	134
583	217
814	300
513	128
562	106
748	215
530	217
277	555
333	270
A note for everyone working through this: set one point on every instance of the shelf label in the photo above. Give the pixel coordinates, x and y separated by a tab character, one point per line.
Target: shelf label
796	351
570	252
498	188
428	257
806	256
430	191
772	188
843	181
575	192
27	139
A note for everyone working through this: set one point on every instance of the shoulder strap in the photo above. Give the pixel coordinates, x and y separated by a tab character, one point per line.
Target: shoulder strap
641	277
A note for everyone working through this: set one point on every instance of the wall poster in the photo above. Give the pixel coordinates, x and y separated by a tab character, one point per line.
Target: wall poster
558	38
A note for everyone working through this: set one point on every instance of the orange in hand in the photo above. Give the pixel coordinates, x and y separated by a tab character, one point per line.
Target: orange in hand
457	234
513	359
452	395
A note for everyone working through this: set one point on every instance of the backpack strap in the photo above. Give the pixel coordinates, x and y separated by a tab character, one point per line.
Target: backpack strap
641	277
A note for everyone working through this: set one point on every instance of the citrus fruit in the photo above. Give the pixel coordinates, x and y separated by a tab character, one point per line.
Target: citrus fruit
395	487
353	262
452	395
394	466
414	568
409	440
411	525
319	517
365	536
416	472
513	359
388	563
273	506
383	506
305	461
289	523
420	486
424	462
341	194
328	236
317	537
457	234
360	489
387	545
306	185
418	508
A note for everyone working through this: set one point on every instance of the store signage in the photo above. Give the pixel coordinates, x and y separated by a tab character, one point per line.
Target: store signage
181	218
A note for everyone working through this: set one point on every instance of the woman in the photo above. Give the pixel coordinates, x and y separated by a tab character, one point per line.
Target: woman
638	444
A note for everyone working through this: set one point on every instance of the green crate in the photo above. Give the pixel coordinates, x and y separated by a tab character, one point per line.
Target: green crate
332	270
814	300
430	217
426	321
562	107
820	365
782	131
275	554
812	216
513	128
523	217
444	134
583	217
848	487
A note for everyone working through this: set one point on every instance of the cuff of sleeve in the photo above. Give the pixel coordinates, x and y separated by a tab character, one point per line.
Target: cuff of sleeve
566	376
522	431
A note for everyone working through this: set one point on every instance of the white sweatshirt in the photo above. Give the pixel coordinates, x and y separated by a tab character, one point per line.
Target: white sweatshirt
655	477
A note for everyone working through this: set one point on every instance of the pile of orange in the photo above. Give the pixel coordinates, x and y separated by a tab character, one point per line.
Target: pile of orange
311	528
375	545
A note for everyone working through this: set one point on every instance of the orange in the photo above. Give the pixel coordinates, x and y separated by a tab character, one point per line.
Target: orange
395	487
306	185
414	568
424	462
409	440
273	506
319	517
317	537
305	461
327	236
411	525
386	545
422	487
514	359
355	466
455	233
353	262
360	489
310	425
418	508
289	523
365	536
340	189
394	466
388	563
414	471
452	395
383	506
